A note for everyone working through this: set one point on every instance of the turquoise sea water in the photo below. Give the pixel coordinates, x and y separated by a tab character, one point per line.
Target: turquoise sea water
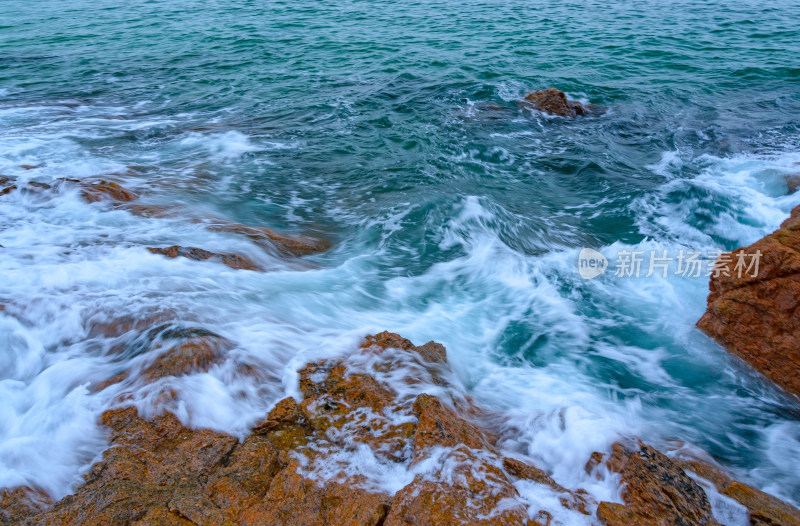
392	129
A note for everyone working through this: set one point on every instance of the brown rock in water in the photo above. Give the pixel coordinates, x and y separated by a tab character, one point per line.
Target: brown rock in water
106	191
792	182
555	102
160	472
656	491
179	351
27	187
138	209
102	325
196	353
234	261
286	244
574	500
757	317
103	190
764	509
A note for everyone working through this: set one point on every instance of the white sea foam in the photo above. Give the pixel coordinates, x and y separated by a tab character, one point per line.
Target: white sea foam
226	145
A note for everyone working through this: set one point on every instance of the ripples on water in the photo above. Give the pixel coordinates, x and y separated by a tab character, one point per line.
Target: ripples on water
392	129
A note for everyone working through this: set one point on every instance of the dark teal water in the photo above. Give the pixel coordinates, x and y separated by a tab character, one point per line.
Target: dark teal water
392	129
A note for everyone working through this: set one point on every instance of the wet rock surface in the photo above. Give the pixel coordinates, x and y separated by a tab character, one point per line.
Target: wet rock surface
108	191
763	508
555	102
177	350
289	469
17	505
234	261
283	244
756	315
656	491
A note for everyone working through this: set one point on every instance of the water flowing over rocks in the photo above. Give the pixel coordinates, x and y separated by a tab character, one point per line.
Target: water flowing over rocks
656	491
757	317
234	261
763	509
107	191
296	467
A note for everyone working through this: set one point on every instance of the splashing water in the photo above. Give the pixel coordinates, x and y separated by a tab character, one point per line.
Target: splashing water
392	130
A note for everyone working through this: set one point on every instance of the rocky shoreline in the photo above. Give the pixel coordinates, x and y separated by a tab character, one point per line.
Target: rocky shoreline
289	470
393	404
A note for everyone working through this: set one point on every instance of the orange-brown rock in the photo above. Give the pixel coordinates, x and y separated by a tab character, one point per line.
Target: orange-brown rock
656	491
101	325
234	261
430	352
160	472
194	353
284	244
443	504
756	315
575	500
295	500
764	509
555	102
352	406
286	426
438	426
792	181
281	244
179	352
19	504
95	191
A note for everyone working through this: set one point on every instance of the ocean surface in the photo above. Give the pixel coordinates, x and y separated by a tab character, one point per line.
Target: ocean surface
392	129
